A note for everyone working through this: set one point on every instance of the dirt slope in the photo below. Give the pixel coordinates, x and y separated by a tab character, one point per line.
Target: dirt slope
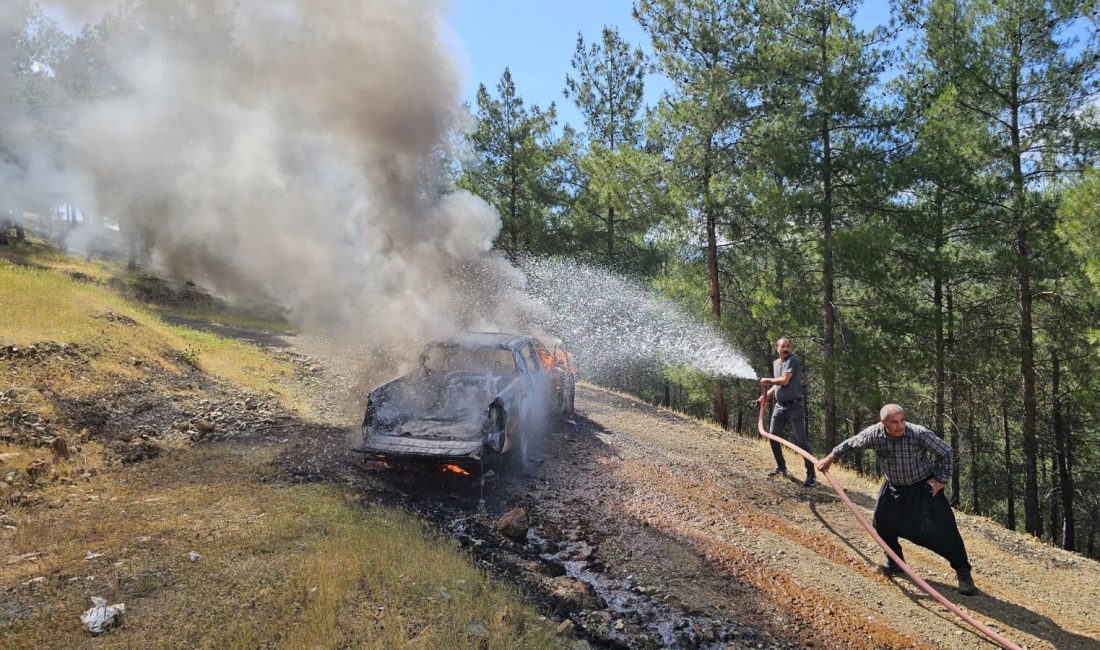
688	506
668	534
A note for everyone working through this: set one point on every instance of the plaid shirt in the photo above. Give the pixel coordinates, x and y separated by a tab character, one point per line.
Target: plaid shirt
904	460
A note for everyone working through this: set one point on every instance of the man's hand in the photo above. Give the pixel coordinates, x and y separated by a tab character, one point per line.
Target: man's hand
765	382
824	464
763	398
936	486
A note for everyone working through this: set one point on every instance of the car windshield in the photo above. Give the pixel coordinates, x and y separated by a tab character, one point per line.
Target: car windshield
462	397
448	358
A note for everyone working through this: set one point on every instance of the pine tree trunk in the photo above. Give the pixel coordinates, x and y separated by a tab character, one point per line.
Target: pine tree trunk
955	447
1010	514
611	235
858	464
942	340
972	438
1054	500
1061	473
950	377
828	317
721	416
1032	516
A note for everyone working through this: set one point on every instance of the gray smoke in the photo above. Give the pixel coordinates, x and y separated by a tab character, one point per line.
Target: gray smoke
282	149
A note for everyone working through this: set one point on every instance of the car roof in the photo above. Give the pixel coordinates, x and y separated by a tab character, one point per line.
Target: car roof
484	340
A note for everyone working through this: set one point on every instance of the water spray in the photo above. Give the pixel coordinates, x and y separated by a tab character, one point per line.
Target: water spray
610	322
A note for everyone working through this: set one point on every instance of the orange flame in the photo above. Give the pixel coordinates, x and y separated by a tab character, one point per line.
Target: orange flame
456	469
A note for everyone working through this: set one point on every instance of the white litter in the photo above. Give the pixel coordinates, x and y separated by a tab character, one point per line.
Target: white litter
193	556
91	556
573	422
102	616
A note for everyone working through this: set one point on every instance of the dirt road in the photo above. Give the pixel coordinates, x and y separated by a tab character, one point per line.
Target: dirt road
649	529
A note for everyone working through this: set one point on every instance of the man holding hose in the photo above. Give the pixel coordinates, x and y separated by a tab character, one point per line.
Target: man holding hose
785	386
911	503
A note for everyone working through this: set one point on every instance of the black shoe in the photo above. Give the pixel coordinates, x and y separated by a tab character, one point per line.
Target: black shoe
778	471
889	569
966	586
810	482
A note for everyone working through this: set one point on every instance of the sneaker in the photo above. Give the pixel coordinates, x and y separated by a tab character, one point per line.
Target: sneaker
778	471
810	482
966	586
889	569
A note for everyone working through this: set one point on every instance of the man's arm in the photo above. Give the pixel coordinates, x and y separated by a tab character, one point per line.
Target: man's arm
945	456
777	381
861	440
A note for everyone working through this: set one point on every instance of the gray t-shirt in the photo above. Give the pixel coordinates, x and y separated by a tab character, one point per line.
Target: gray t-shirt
793	388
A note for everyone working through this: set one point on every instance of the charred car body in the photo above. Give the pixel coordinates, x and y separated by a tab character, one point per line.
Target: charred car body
564	372
474	397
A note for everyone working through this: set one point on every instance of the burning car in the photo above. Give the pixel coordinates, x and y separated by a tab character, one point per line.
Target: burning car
473	397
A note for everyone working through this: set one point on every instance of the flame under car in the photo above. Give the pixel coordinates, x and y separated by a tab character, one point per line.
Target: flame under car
473	398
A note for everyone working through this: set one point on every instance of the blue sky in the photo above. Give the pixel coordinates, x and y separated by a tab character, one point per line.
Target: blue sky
537	38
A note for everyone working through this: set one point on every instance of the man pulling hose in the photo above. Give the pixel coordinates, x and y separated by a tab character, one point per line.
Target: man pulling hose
911	503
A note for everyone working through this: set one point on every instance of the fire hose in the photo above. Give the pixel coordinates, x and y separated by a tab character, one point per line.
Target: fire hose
996	638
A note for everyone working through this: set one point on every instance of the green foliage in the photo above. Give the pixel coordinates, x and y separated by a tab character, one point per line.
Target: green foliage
516	169
1080	223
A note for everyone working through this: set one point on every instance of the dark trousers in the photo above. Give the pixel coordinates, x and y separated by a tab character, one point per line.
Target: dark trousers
796	415
912	513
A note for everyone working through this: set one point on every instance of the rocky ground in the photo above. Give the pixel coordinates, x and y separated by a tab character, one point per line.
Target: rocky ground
648	529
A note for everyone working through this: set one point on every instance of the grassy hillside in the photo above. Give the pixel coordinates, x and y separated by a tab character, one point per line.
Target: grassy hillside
136	459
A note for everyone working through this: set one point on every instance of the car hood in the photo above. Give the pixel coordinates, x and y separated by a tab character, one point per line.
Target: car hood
454	405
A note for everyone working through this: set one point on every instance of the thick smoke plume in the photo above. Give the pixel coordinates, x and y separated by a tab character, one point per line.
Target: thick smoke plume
289	150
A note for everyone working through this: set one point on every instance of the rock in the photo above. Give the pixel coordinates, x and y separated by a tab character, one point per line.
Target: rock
204	426
38	467
477	630
139	450
102	616
514	524
60	447
579	594
550	569
181	426
566	627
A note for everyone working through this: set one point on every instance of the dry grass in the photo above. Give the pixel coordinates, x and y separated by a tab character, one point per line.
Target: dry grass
280	565
43	305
